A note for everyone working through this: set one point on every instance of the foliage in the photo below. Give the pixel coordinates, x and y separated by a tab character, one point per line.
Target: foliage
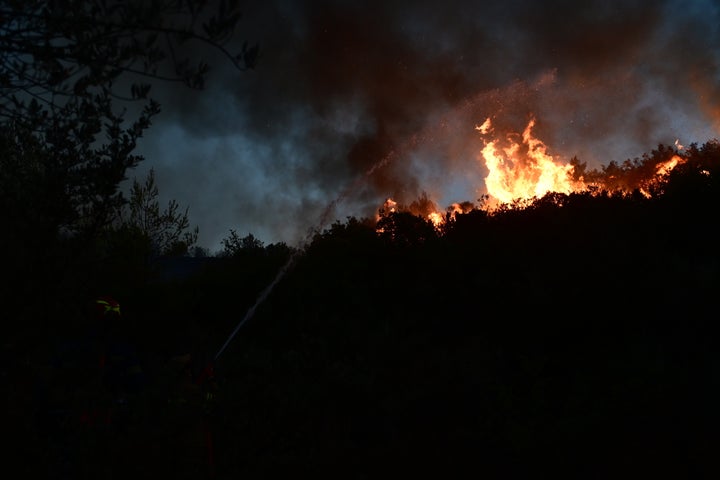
512	340
63	63
61	50
629	175
406	228
234	245
75	98
526	339
167	231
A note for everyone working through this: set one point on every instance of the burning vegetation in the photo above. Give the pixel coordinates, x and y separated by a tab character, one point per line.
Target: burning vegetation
521	170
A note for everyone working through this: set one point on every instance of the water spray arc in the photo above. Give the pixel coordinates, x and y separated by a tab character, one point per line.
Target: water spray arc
519	165
492	100
261	298
317	227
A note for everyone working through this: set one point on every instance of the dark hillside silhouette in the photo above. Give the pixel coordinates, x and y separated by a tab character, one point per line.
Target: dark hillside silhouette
573	337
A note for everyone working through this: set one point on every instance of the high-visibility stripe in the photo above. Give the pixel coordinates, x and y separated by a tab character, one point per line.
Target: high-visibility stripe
114	307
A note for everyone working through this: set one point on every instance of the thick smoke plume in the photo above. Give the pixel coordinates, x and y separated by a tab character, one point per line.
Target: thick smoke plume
342	86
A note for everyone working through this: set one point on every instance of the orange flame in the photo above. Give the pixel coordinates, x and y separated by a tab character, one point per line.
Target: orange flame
520	169
523	170
665	167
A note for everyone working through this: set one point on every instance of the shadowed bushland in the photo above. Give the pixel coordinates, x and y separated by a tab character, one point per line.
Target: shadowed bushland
575	336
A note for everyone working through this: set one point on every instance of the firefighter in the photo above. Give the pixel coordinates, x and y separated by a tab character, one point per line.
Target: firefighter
193	409
82	396
120	379
114	371
120	368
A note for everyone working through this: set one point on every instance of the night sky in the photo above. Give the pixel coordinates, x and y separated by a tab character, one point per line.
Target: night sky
361	101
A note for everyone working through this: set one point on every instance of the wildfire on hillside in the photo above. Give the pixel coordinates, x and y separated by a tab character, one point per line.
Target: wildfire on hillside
523	169
520	168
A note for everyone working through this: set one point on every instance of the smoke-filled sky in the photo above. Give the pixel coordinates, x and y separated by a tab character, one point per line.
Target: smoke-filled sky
354	102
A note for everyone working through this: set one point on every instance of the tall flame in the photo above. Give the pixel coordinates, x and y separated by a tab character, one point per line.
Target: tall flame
522	170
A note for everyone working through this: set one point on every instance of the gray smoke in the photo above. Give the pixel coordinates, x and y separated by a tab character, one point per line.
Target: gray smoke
342	86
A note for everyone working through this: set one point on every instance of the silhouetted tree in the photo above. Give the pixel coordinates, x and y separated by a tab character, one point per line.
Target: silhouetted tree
167	231
467	227
55	51
234	245
629	175
63	65
405	228
67	69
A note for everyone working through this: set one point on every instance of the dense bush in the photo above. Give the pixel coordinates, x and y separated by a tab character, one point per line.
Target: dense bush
574	336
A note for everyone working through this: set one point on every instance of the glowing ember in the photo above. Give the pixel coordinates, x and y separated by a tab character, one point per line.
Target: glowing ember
523	170
485	127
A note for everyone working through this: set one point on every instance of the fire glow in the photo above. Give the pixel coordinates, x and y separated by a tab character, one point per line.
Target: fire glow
520	168
523	169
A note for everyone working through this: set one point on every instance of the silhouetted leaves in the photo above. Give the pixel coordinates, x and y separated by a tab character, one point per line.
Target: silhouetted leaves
52	55
525	340
167	231
233	245
65	68
405	229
